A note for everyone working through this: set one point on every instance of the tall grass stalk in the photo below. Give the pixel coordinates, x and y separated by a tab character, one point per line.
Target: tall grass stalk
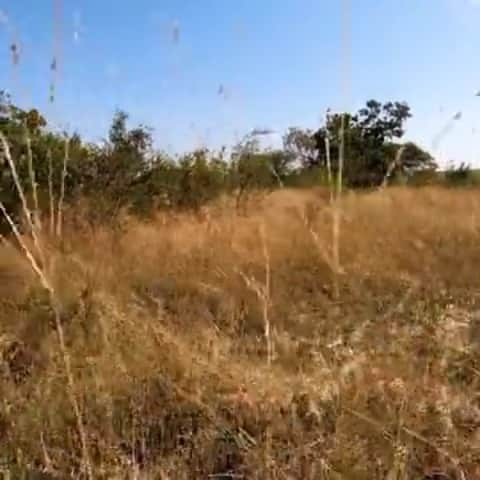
46	457
346	77
329	167
391	167
26	250
46	283
33	182
51	196
337	210
267	296
21	194
62	188
263	293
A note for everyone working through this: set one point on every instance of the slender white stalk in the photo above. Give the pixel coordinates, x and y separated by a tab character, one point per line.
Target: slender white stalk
33	262
33	182
71	390
51	197
54	303
393	164
46	457
327	157
329	166
277	176
21	194
263	294
266	297
62	189
341	156
346	77
337	208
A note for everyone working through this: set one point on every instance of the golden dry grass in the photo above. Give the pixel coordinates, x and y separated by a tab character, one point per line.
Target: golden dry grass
165	327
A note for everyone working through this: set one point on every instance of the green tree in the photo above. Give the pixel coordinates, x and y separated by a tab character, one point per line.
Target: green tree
301	146
26	134
371	144
111	173
202	178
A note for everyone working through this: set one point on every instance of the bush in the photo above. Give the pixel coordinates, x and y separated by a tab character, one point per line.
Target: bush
460	176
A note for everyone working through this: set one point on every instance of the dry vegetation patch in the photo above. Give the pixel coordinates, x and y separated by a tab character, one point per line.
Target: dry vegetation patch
165	323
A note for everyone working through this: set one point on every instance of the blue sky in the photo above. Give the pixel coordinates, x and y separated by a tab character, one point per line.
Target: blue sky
207	71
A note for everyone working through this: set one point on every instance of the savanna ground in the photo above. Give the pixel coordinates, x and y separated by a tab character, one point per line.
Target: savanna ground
368	371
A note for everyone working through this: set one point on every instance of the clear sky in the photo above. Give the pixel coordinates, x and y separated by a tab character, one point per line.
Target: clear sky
208	71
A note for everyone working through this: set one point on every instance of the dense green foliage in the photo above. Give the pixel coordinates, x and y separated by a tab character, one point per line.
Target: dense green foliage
125	172
461	176
370	146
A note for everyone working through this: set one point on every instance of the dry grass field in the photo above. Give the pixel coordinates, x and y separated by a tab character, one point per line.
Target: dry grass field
233	346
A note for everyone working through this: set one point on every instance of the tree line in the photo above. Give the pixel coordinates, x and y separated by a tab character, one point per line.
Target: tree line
126	172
